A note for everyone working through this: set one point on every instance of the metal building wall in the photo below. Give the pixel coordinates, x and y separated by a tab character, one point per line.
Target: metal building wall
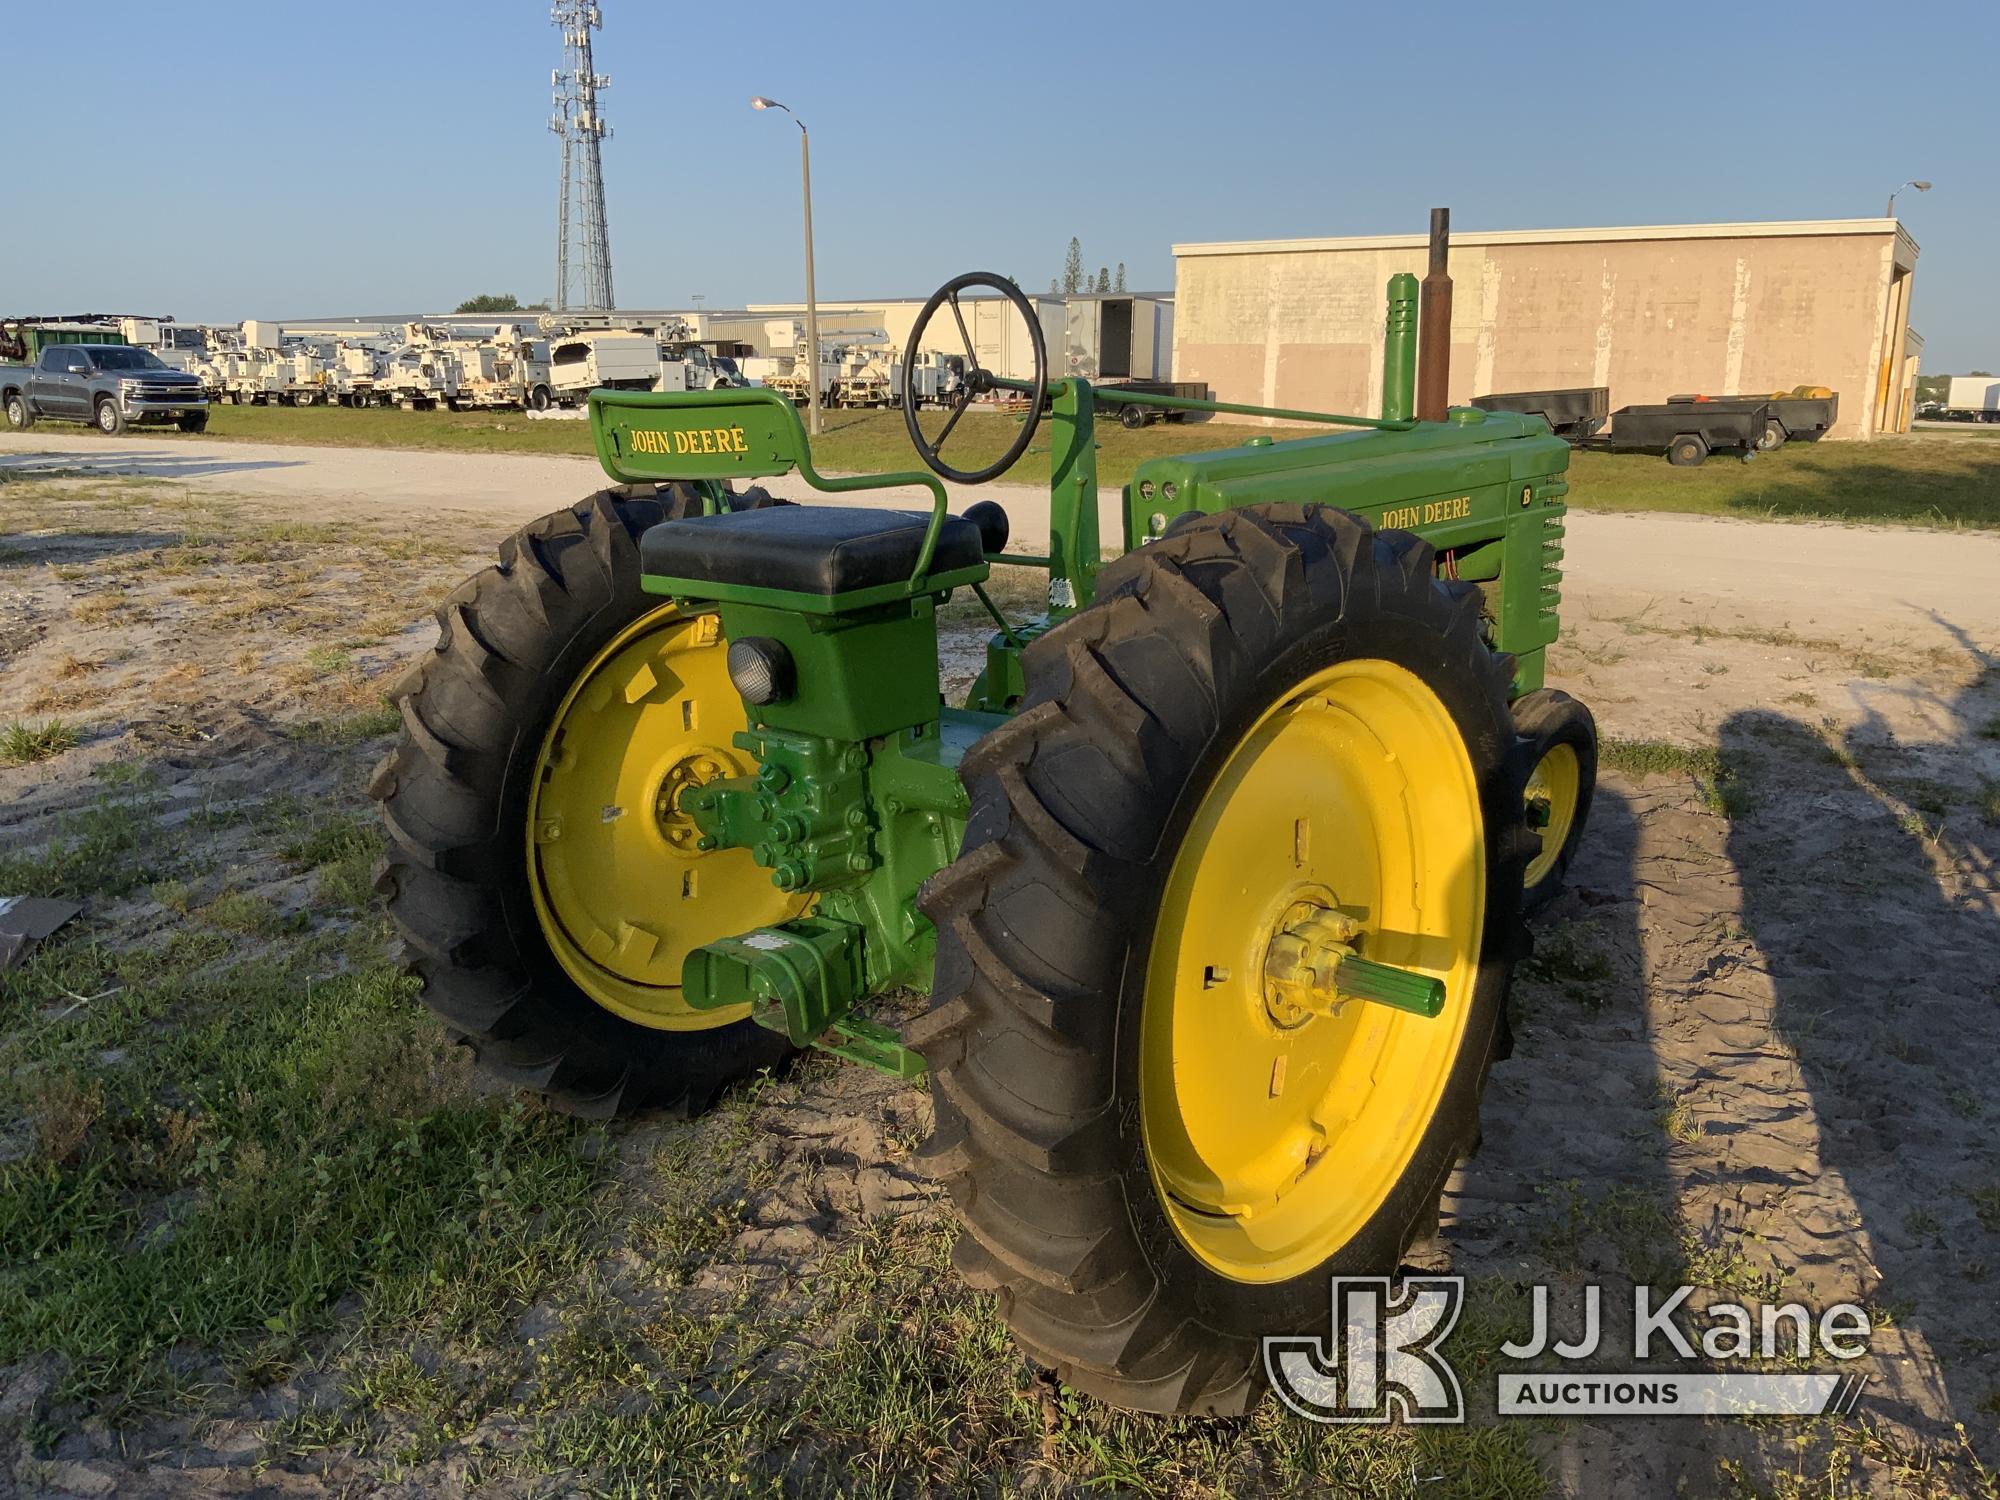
1650	312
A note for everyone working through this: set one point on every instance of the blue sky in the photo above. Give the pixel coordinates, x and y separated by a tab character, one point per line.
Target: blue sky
285	159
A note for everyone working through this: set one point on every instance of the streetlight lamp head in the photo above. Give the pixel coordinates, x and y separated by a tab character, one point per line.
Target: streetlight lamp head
1922	187
758	101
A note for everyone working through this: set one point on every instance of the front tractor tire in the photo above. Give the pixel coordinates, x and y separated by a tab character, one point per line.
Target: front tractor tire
1561	736
545	886
1274	723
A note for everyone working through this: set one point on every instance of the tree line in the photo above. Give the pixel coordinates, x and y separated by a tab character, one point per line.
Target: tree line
1075	280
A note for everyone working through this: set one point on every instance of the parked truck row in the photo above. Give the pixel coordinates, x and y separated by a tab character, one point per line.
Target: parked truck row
422	366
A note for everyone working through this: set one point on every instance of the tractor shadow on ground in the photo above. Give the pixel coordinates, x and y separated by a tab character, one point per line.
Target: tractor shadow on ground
119	462
25	549
1870	891
1575	1183
1753	1054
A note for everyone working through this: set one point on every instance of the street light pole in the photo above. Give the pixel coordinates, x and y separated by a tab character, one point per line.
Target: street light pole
1922	187
813	423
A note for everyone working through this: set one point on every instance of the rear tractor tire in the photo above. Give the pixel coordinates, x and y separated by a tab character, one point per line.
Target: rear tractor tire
544	883
1274	723
1562	737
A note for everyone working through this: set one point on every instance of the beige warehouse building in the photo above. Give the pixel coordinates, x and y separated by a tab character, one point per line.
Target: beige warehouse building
1650	312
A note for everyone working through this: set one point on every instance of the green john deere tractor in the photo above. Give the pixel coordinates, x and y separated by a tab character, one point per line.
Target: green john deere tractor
1215	879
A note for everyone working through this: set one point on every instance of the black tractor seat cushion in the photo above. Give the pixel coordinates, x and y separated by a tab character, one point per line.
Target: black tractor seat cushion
806	549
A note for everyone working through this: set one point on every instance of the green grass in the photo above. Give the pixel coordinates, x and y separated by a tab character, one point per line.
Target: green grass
109	848
1903	480
1913	480
1721	788
352	728
22	743
225	1151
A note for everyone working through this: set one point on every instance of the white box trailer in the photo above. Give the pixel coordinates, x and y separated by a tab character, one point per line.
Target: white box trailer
1117	337
1973	398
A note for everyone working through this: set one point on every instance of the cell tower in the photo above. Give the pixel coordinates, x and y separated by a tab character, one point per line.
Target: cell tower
582	129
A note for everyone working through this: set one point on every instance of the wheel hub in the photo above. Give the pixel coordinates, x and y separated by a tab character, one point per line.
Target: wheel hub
1299	964
694	767
621	887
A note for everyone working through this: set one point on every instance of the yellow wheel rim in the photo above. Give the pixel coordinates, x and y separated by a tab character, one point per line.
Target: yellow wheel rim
620	889
1553	788
1272	1138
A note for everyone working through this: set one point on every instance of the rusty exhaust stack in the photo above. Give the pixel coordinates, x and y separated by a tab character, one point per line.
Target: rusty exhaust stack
1434	324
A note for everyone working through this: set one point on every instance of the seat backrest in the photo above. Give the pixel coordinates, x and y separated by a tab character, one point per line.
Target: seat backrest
735	433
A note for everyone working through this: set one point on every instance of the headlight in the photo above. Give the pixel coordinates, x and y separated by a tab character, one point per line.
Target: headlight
761	670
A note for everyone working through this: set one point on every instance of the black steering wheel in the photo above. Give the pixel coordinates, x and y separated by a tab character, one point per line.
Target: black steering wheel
976	381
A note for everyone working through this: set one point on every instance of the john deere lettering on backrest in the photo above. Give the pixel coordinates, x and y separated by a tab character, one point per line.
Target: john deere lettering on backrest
726	434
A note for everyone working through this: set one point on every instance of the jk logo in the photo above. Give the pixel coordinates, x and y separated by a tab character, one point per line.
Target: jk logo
1382	1360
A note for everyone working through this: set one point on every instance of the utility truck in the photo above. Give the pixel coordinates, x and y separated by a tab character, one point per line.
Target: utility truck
504	369
612	360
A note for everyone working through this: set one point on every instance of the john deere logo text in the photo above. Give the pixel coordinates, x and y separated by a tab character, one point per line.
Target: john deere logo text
1429	513
700	440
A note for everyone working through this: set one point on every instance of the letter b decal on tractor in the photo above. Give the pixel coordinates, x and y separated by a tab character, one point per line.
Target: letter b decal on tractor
1382	1360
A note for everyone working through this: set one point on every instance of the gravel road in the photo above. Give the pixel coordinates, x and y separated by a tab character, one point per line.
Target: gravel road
1919	586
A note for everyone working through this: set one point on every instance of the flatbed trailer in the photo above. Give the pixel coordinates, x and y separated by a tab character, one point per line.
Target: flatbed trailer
1803	414
1577	412
1685	431
1138	416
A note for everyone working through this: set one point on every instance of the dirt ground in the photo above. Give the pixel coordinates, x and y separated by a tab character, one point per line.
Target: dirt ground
1754	1049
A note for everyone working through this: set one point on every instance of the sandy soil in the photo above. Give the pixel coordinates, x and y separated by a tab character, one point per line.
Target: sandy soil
1757	1041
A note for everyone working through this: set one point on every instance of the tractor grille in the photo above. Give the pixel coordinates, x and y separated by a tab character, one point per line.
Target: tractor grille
1549	493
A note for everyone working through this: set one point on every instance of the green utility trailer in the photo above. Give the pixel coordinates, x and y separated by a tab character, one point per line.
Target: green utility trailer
23	340
1215	878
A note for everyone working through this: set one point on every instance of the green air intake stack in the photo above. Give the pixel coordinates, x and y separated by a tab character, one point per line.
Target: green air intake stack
1399	350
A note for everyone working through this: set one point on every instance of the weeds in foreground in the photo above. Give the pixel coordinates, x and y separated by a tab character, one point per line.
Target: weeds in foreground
22	743
1724	792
